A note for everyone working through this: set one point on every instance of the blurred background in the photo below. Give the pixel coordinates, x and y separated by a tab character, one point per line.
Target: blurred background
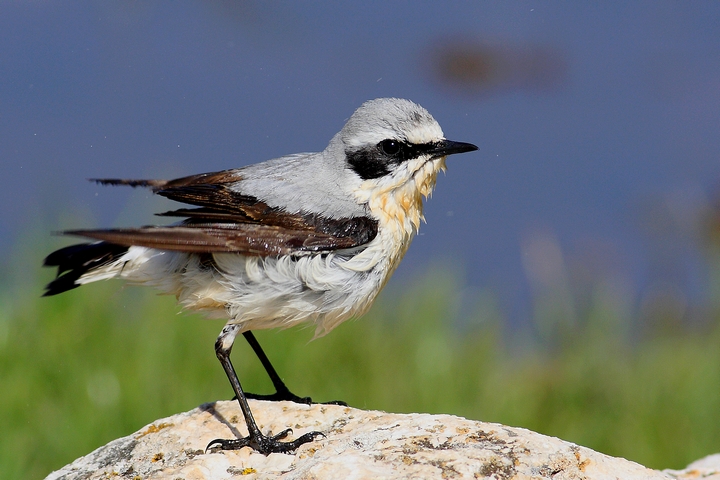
567	281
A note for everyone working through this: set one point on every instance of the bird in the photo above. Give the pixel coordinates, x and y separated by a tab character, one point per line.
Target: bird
304	238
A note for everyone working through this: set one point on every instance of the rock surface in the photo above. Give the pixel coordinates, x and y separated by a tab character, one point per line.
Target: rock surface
359	444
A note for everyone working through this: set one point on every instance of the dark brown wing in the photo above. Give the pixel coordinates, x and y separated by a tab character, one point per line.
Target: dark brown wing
245	238
223	176
229	221
219	202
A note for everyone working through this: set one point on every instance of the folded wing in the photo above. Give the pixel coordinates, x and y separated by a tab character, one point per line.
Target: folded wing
226	220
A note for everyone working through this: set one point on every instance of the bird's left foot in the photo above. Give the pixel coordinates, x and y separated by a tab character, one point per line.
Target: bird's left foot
265	444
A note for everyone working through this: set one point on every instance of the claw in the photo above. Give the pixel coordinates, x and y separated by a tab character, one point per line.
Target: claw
234	444
282	434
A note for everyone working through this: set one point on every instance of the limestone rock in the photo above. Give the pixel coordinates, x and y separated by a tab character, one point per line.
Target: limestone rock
359	444
707	468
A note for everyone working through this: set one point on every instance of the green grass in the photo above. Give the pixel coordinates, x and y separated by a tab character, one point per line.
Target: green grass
80	369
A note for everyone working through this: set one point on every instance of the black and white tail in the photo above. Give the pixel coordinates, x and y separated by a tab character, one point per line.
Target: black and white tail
76	260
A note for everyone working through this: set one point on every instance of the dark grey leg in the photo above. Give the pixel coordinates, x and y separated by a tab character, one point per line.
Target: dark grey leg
255	439
282	393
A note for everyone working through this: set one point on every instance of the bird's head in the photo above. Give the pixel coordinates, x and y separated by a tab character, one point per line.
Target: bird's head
395	148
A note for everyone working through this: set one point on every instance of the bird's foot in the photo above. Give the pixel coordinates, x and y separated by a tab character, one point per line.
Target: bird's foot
265	444
285	395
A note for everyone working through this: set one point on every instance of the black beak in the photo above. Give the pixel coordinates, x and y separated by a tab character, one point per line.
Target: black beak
448	147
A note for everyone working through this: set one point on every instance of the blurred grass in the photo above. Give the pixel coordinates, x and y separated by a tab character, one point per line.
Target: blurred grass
80	369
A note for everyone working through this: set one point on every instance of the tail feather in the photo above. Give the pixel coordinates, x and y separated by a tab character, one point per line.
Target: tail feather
74	261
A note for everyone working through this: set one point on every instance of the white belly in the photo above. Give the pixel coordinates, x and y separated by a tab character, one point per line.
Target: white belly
264	292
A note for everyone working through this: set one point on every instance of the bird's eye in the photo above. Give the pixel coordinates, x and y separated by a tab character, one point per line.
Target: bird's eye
390	147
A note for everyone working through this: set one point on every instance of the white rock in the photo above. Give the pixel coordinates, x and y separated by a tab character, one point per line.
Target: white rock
359	444
707	468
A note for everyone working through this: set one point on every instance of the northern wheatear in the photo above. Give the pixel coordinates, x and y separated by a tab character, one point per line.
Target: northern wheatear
310	237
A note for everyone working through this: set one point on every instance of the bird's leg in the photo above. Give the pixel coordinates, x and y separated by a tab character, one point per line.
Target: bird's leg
281	390
282	393
255	439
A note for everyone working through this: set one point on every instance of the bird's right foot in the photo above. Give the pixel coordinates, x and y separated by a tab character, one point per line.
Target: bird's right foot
265	444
